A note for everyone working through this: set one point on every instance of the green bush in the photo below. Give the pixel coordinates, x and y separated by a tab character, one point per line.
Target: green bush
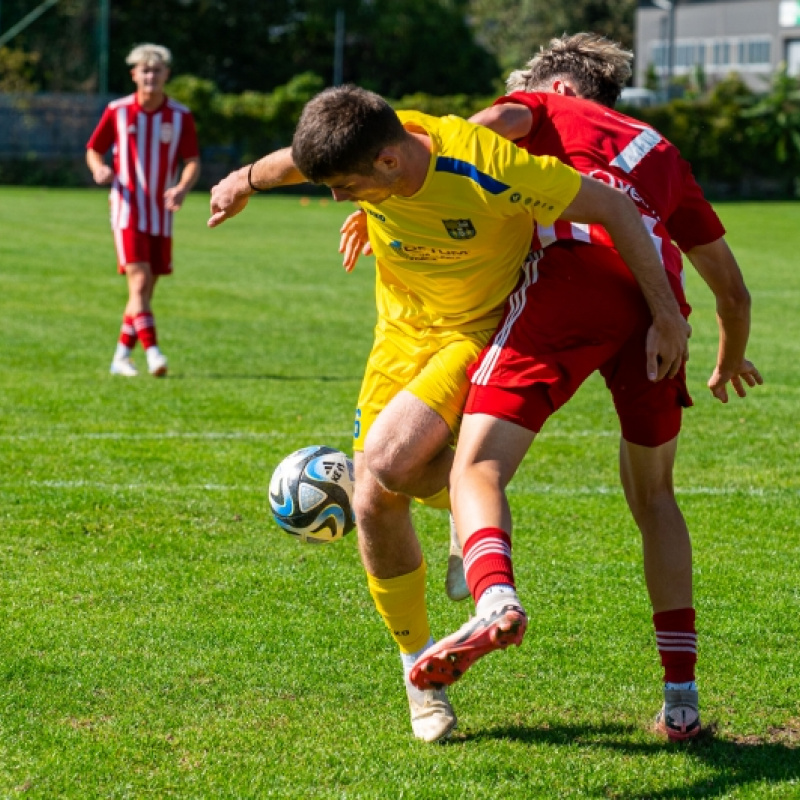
242	127
740	144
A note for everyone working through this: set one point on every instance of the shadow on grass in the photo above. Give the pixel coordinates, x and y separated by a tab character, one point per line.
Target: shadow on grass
773	759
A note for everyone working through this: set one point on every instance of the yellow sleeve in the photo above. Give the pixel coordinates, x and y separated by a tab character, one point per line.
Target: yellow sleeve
545	185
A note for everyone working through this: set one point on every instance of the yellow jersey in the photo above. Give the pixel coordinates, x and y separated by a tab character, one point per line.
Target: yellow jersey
449	255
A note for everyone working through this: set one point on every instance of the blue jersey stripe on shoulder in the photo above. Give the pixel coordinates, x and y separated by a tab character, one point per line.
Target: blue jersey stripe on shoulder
459	167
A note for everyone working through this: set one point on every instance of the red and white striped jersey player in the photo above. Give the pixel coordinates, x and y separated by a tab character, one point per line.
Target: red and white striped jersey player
151	136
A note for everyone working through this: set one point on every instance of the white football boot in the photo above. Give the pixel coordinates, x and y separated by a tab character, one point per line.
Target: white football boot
156	362
123	365
432	716
455	583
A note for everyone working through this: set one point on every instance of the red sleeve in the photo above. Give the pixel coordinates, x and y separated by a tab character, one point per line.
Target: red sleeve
694	221
188	147
104	134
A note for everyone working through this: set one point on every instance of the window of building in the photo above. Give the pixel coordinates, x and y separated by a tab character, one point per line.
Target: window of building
721	53
716	55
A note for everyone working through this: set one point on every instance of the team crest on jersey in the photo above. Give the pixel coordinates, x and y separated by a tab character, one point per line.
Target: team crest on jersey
460	228
166	133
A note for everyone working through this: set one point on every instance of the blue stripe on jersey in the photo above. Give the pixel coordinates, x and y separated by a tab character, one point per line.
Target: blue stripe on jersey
459	167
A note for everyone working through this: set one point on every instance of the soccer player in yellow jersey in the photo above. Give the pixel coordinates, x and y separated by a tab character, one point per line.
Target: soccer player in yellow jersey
451	207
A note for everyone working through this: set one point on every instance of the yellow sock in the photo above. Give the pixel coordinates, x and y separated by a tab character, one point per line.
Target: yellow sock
439	500
401	603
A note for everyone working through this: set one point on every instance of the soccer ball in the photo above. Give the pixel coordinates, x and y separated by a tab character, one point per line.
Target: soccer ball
311	494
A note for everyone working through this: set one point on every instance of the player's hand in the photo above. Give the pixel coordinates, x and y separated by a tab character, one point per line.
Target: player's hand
667	346
103	175
173	198
745	373
229	197
355	239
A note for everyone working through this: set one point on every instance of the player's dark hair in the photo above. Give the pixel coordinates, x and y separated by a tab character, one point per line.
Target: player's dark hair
598	67
342	131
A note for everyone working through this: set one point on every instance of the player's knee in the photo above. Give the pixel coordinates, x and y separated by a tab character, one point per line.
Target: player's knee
648	498
465	479
392	474
391	464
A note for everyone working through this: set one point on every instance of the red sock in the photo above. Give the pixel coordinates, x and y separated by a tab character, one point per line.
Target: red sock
127	333
146	329
676	639
487	560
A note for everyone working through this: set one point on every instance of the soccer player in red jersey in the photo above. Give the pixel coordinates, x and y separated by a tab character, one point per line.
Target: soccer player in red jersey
576	310
150	134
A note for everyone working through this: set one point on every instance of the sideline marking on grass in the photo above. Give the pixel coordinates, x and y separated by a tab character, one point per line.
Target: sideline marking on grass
115	436
542	489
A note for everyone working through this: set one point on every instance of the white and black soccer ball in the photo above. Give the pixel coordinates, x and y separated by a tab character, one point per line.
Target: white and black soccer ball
311	494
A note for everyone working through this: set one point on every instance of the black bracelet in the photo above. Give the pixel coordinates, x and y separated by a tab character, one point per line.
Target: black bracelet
250	177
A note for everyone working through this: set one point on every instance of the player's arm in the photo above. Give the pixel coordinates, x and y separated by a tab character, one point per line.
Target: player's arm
101	172
511	120
718	268
175	195
230	195
667	339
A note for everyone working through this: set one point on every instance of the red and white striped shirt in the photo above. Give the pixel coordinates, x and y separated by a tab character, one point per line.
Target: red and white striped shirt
148	147
628	155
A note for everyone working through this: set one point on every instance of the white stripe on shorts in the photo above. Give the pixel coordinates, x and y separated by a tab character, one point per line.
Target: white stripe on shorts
516	302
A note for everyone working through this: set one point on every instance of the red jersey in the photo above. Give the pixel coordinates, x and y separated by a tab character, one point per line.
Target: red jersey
628	155
148	146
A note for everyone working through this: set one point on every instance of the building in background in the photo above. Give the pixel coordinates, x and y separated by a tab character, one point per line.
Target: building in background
717	37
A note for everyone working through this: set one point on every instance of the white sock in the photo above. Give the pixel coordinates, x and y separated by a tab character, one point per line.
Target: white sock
497	596
409	659
122	351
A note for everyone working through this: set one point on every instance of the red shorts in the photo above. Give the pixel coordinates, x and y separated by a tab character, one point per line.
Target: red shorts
135	247
577	309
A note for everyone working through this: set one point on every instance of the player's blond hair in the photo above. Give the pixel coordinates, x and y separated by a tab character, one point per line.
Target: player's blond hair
597	67
149	54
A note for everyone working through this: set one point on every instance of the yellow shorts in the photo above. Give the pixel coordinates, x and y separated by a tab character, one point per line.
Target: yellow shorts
433	369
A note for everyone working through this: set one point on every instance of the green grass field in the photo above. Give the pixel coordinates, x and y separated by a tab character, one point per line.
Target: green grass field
161	637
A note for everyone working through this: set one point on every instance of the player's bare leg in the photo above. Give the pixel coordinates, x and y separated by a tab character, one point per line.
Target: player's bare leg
386	538
407	448
141	284
488	454
390	550
646	474
419	468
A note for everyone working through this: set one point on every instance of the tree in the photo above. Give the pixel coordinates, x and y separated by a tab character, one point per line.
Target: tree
515	29
432	50
61	43
394	48
16	71
774	127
